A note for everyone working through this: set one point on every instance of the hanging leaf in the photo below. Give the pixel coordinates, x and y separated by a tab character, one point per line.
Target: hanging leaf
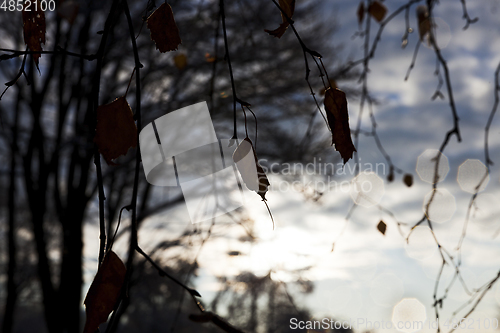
338	120
180	61
288	7
408	180
34	28
424	22
164	31
116	131
382	227
251	171
104	292
361	12
377	11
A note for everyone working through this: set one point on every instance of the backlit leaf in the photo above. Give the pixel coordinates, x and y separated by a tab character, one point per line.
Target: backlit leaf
34	28
382	227
116	131
288	7
104	292
377	11
180	61
251	171
338	120
164	31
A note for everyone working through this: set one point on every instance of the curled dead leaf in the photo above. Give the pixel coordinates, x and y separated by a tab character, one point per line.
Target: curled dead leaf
382	227
34	28
338	120
104	292
164	31
288	7
116	131
377	10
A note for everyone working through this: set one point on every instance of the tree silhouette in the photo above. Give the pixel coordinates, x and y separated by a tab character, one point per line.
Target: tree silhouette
92	54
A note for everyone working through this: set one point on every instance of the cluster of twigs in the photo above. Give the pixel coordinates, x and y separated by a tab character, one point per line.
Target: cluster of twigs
447	257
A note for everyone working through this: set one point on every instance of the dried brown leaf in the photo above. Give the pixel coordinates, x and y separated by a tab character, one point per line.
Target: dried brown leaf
288	7
377	11
164	31
104	292
116	131
34	28
338	120
382	227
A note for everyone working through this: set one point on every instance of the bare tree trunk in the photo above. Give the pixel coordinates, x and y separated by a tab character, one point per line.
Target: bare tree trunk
71	274
8	318
36	178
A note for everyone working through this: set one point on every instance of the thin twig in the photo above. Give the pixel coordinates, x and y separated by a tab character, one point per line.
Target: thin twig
466	17
59	50
228	59
108	26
